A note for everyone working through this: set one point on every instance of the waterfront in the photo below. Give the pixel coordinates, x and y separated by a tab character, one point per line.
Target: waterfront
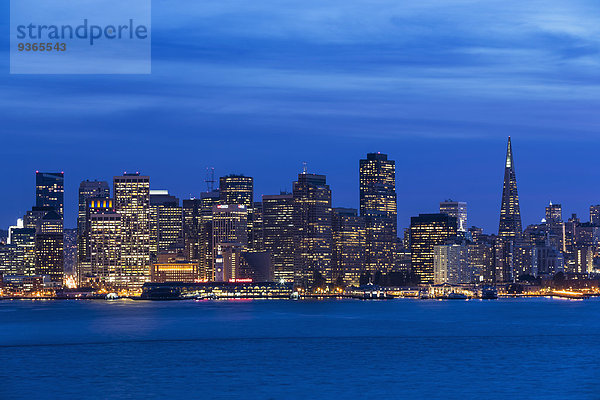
523	348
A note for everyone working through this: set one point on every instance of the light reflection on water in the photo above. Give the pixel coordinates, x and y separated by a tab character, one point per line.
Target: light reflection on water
316	349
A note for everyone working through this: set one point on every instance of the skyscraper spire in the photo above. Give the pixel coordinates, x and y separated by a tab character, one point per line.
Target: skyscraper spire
510	213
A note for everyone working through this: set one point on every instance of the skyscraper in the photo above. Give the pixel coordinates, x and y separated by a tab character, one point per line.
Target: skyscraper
595	215
456	209
239	189
132	201
49	190
207	202
554	213
312	224
229	238
426	232
191	217
166	222
87	190
49	254
105	231
510	214
278	233
378	205
348	257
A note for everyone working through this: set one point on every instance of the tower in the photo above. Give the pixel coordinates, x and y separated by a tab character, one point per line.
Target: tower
312	225
49	190
510	213
378	206
132	202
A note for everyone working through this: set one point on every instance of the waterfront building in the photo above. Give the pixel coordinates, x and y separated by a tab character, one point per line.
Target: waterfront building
349	237
426	232
378	206
178	271
278	233
451	263
132	201
312	224
456	209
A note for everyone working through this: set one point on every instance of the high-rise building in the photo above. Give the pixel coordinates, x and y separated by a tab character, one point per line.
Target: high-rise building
426	232
49	256
349	235
24	241
207	202
278	233
555	226
105	233
191	222
378	206
456	209
595	215
312	222
94	205
554	213
257	235
166	222
87	190
451	263
49	190
239	189
229	238
132	201
510	214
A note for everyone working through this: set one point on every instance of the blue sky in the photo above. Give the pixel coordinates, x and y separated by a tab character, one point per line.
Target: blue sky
259	87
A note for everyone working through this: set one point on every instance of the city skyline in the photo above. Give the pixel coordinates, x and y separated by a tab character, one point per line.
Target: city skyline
532	189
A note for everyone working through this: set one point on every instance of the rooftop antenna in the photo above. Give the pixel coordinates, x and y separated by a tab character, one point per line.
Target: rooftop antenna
304	167
210	178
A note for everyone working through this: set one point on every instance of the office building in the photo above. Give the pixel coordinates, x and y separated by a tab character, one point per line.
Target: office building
312	223
49	190
595	215
510	214
132	201
426	232
451	264
278	233
87	190
166	222
456	209
239	189
229	238
49	255
378	206
191	221
105	238
349	239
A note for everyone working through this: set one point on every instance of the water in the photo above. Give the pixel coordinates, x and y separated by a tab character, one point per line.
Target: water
533	348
